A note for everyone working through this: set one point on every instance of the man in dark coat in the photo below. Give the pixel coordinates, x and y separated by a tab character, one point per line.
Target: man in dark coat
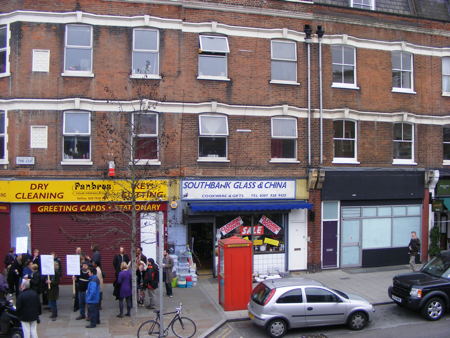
28	309
118	259
96	257
413	248
82	281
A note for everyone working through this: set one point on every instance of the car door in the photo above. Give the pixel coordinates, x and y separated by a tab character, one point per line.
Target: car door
290	304
323	307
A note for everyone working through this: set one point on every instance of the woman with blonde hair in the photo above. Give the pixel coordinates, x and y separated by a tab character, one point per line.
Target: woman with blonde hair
125	289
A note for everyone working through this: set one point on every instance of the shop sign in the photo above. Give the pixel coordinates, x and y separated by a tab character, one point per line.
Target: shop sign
270	225
257	230
238	189
81	191
230	226
437	205
95	207
443	188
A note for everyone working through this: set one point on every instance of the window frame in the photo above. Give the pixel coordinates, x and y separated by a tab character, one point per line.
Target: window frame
291	61
211	53
143	161
81	73
4	135
202	134
349	160
78	161
409	161
343	84
284	159
6	49
445	76
402	70
155	75
444	161
362	6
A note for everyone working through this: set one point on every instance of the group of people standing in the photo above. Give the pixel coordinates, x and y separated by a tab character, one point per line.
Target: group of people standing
147	279
32	290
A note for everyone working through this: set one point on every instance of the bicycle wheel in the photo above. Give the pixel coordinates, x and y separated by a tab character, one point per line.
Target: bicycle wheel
184	327
150	328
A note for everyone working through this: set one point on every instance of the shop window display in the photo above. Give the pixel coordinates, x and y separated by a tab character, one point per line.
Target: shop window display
266	231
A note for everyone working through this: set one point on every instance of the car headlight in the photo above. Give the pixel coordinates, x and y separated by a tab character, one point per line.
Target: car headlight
416	293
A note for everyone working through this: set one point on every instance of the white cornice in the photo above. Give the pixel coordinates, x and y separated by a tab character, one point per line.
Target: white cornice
215	107
214	27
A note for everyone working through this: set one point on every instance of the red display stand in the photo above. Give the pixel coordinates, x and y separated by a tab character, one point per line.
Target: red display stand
235	273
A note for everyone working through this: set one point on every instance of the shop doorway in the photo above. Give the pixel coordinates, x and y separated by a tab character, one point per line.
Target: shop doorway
201	241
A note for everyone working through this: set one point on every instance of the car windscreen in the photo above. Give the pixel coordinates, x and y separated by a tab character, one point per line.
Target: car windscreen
260	293
437	267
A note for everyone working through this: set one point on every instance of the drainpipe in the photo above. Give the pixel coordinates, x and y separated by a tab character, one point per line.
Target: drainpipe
320	32
308	31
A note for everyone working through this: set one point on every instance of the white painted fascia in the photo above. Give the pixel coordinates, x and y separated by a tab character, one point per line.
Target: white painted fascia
215	107
214	27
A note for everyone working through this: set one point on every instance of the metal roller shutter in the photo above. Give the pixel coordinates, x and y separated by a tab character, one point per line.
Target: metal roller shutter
5	236
62	233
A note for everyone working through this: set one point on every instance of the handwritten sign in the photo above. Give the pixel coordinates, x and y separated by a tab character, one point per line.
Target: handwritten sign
230	226
272	226
271	241
73	265
47	265
21	245
257	242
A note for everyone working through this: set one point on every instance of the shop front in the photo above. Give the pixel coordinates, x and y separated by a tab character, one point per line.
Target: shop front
441	209
368	216
272	214
60	215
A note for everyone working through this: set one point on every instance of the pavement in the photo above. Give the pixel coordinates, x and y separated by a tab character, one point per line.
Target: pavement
200	303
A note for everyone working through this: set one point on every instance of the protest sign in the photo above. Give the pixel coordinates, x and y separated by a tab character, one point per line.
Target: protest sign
73	265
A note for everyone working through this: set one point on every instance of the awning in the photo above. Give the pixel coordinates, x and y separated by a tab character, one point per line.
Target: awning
447	203
248	206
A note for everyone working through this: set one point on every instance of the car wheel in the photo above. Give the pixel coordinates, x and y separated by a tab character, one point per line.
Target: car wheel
357	320
277	328
433	309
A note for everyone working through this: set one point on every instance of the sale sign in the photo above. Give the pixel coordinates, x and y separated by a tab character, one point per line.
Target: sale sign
257	230
230	226
270	225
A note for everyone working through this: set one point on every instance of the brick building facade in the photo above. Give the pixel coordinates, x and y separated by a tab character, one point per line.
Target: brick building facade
336	107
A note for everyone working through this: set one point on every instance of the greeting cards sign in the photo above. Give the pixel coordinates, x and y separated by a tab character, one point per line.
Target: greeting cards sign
230	226
272	226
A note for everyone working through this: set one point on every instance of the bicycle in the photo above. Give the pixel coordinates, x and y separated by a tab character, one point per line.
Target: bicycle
182	327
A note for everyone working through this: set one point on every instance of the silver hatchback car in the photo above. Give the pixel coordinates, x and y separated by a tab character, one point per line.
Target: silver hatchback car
281	304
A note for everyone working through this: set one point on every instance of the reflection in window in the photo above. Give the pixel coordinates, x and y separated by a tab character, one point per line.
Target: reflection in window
403	141
344	70
284	60
402	70
344	139
2	135
3	48
284	138
78	48
77	136
145	136
212	60
145	51
213	136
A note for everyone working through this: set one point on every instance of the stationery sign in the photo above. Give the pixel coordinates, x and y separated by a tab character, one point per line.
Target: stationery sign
230	226
238	190
270	225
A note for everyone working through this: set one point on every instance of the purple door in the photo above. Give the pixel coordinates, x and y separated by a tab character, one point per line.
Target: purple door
329	245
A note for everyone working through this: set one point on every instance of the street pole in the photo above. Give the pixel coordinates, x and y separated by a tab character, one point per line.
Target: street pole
160	227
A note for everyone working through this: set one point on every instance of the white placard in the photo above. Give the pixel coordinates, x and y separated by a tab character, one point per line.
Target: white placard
238	189
41	60
73	265
21	245
47	265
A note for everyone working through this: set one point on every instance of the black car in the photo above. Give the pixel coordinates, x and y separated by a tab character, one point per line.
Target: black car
428	290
